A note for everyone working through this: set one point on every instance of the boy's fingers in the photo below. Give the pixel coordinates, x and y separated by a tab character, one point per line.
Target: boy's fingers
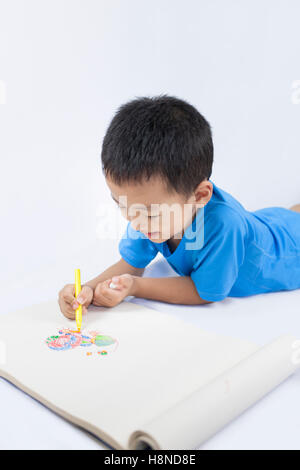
103	291
102	284
107	283
70	313
84	310
70	316
100	300
118	283
84	298
123	281
105	300
66	310
67	293
69	289
106	293
69	298
110	291
84	295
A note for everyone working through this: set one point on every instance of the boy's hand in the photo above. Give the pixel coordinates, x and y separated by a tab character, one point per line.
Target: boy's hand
105	296
68	303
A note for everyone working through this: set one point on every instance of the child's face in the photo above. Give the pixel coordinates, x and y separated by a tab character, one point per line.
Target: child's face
154	211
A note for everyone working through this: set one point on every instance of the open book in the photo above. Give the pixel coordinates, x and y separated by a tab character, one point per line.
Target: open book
138	378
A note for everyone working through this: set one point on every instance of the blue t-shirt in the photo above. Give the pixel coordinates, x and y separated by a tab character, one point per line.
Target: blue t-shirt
227	250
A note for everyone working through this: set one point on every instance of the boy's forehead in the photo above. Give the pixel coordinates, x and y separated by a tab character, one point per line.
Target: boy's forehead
149	192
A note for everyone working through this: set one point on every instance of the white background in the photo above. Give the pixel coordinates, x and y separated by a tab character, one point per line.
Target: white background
65	68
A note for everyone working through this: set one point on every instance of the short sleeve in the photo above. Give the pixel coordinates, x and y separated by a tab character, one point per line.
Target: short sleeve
135	248
216	265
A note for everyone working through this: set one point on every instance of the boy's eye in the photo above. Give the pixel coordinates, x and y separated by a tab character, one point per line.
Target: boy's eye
125	208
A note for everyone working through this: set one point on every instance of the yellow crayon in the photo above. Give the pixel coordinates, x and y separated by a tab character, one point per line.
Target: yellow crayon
77	291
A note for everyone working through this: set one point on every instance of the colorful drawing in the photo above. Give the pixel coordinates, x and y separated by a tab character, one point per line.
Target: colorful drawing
70	339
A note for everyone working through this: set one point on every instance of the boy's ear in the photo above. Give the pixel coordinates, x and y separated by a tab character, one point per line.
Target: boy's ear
203	193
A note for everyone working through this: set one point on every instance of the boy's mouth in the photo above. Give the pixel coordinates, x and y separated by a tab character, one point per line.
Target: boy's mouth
153	234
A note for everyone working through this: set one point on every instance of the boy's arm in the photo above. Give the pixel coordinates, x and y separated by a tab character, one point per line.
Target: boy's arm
121	267
175	290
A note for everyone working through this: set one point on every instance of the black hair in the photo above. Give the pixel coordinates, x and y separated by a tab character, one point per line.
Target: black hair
161	135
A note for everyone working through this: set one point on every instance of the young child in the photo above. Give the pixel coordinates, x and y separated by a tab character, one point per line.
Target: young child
157	154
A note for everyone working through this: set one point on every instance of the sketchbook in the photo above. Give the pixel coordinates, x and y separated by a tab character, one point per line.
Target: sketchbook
137	378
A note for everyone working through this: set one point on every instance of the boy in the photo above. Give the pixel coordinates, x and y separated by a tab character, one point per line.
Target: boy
157	154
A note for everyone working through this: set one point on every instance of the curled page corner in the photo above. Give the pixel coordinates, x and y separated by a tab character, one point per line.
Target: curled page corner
192	421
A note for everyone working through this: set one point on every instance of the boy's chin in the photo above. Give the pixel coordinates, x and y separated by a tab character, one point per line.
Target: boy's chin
158	238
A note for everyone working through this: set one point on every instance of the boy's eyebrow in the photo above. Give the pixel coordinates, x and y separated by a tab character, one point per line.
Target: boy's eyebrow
142	207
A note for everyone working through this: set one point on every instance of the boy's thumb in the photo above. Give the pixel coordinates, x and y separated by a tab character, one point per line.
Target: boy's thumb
82	297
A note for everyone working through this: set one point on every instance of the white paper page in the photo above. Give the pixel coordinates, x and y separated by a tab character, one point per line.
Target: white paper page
192	421
159	361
